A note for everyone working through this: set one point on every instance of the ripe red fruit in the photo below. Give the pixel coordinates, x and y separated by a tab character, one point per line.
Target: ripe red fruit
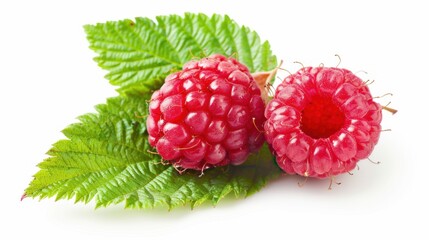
207	115
321	122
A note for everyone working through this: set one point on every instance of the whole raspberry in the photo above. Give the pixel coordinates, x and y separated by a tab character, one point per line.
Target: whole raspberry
321	122
207	115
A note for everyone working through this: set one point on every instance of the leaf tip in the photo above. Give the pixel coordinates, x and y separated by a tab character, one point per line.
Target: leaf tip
87	28
98	205
24	196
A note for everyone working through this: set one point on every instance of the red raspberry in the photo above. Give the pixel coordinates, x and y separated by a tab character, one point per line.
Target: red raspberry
321	122
207	115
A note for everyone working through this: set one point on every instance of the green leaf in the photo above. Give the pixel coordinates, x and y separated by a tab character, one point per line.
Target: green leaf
140	54
105	157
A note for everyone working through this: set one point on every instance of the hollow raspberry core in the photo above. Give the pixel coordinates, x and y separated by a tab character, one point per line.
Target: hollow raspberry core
321	117
321	122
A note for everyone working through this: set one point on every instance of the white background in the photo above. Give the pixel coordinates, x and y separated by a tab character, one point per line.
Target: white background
48	78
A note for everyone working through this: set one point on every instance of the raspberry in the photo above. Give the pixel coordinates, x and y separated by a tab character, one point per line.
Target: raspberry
321	122
207	115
